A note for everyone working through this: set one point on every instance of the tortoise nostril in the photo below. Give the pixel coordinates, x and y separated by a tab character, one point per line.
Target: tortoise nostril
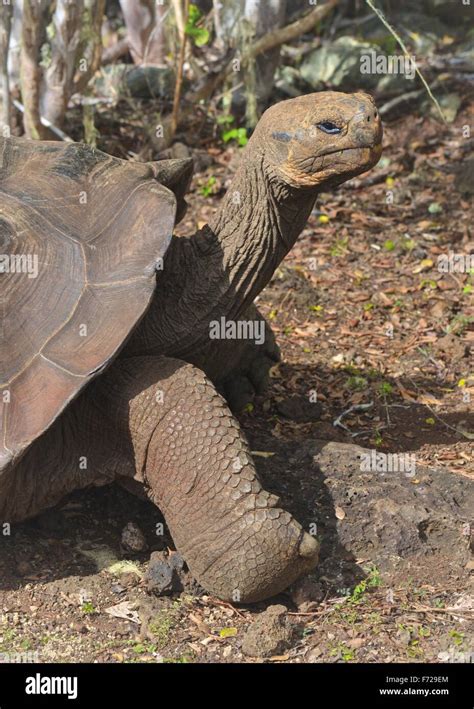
368	119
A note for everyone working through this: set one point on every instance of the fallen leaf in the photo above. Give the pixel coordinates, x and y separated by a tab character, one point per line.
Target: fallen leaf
125	610
228	632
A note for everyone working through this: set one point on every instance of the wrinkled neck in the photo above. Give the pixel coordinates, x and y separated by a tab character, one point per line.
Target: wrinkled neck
256	225
222	268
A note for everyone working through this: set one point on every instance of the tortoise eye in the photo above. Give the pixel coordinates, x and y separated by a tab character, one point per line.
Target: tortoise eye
328	127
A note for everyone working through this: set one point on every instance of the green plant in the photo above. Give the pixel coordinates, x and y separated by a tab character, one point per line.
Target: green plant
340	247
458	638
372	580
385	389
162	624
378	440
346	653
238	134
356	382
231	132
200	35
88	608
208	188
408	244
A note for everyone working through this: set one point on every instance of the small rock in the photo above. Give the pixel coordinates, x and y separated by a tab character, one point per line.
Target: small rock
270	634
129	580
306	592
133	538
117	588
165	573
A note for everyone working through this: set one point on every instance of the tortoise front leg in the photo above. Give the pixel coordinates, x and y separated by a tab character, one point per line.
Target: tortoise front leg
196	466
239	368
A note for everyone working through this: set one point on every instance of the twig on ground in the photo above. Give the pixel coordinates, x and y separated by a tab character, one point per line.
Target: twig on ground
357	407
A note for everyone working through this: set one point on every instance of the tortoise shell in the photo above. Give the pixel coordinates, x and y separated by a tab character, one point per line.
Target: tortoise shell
81	234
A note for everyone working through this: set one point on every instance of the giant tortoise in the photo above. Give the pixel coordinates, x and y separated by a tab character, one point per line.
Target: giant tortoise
107	368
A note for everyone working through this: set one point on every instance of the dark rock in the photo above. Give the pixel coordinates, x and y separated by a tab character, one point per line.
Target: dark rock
271	633
390	514
165	573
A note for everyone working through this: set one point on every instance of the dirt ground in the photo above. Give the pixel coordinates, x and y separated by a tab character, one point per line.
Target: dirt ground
363	317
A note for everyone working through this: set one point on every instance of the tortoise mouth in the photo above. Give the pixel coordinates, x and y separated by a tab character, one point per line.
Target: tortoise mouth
333	166
354	149
362	154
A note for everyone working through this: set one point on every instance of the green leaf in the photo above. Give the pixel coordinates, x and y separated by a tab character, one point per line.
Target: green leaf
207	189
200	35
225	120
238	134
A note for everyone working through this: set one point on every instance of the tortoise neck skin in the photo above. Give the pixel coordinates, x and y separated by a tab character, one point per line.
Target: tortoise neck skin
299	148
257	224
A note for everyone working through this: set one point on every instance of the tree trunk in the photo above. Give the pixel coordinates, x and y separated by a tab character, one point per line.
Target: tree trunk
59	76
32	36
239	23
6	12
89	58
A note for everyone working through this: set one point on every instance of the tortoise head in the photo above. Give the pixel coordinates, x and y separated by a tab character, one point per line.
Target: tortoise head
321	140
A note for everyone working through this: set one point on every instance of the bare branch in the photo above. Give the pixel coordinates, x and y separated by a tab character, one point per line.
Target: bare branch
265	43
179	74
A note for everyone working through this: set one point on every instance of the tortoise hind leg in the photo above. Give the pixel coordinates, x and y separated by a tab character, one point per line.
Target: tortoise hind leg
196	466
